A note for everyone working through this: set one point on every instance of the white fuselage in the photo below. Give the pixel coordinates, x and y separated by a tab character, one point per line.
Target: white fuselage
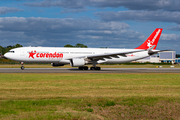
63	55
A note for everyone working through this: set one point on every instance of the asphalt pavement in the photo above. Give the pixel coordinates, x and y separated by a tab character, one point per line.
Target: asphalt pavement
103	70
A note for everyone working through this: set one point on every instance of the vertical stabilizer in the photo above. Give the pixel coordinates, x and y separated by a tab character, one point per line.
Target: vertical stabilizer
151	40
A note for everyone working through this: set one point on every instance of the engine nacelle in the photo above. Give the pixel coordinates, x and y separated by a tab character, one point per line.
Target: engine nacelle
56	64
77	62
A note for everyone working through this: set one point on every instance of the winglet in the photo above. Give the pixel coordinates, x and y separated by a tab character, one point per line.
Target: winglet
151	40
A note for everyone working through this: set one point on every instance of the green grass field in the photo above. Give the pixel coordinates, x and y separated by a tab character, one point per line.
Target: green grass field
90	96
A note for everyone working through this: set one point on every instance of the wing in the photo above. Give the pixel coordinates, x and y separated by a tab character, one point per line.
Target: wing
97	57
110	55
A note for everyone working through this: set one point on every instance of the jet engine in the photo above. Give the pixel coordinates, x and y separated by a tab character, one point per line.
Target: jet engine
56	64
77	62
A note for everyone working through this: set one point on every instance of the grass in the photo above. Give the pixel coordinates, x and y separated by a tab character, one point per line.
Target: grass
90	96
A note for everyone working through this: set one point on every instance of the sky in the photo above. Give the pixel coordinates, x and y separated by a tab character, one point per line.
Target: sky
95	23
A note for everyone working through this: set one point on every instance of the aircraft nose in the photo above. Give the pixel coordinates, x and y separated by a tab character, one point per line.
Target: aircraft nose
6	55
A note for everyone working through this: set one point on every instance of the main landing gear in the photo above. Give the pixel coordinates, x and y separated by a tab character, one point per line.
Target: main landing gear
22	67
86	68
95	68
83	68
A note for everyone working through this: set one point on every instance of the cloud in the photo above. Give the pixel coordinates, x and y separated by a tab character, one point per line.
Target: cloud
72	4
66	10
175	28
170	37
169	5
5	10
56	24
169	41
59	32
159	16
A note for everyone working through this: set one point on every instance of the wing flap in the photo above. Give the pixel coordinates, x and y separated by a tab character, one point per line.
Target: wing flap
115	56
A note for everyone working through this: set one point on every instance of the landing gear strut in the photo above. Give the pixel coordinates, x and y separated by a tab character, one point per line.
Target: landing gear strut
94	66
22	67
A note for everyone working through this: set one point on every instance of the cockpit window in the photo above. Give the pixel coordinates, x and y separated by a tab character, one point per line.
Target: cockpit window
11	51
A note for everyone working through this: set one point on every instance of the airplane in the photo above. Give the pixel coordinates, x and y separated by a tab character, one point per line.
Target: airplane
80	57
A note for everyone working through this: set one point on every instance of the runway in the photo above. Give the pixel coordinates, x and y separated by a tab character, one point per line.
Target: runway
104	70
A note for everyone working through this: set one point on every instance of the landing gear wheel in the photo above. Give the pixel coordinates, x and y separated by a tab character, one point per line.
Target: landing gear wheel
95	68
92	68
83	68
80	68
22	67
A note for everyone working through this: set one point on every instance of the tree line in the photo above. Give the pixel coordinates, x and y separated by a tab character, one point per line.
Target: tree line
78	45
4	50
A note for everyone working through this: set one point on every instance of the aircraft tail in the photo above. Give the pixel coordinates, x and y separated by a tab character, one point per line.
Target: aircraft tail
152	40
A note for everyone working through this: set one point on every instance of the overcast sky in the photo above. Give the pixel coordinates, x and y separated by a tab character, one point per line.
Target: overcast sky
95	23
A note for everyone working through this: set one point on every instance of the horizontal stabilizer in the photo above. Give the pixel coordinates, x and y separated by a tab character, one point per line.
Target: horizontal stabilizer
151	48
157	51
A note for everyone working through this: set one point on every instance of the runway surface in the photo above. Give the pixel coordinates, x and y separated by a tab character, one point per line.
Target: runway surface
104	70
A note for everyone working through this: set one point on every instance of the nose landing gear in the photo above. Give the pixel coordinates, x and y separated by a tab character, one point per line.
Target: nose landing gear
22	67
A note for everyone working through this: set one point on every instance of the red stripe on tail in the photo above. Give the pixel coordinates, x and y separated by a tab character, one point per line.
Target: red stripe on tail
151	40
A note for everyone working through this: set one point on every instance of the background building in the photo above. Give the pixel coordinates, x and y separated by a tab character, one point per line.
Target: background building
168	56
177	60
165	57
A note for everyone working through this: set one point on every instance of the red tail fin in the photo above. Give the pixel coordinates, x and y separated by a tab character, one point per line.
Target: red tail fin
152	40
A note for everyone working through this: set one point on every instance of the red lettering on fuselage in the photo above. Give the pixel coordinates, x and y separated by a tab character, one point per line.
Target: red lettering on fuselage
45	55
31	54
